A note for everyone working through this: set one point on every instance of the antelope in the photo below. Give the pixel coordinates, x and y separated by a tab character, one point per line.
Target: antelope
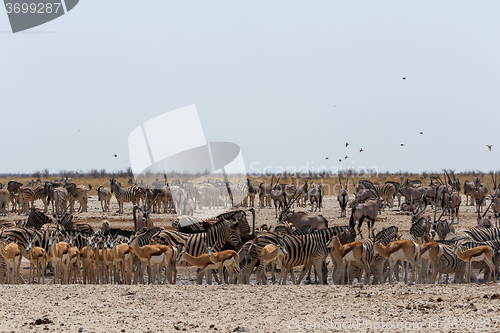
149	254
226	258
343	197
355	251
432	252
411	193
57	251
169	263
367	210
275	256
480	192
123	257
453	202
301	219
202	262
4	201
87	259
315	195
12	256
278	195
480	253
404	250
71	262
37	257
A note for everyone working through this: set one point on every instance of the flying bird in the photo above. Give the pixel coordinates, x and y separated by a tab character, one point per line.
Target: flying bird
326	158
361	150
346	157
404	77
116	155
489	147
347	144
402	144
340	160
421	132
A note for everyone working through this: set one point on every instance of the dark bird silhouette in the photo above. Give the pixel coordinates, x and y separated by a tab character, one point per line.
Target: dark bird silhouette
326	158
489	147
346	157
347	144
402	144
421	132
340	160
404	77
116	155
361	150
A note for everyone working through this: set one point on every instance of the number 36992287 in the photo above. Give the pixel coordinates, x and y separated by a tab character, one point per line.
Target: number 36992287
38	8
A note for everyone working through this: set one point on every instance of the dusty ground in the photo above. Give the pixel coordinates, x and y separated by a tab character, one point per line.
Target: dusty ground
189	307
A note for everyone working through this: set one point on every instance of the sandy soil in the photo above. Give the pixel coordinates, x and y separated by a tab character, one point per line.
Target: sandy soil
250	308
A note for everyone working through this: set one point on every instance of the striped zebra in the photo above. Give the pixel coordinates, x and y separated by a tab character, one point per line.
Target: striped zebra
482	235
211	196
82	197
123	194
194	244
449	263
104	196
37	219
26	199
41	195
384	191
313	250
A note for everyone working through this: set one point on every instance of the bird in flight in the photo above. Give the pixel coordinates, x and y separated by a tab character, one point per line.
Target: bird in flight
340	160
116	155
489	147
361	150
347	144
326	158
402	144
346	157
404	77
421	132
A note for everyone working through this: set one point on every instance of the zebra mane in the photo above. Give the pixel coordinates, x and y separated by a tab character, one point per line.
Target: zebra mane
386	235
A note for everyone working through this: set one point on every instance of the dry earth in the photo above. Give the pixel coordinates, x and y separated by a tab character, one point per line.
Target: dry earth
250	308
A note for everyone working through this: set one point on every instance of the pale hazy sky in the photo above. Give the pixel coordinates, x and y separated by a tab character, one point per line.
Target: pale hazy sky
289	81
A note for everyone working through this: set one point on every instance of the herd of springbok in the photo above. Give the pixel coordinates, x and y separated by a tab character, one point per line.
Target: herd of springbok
433	248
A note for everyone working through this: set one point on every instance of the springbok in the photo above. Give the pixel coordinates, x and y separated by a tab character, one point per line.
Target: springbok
404	250
275	256
12	256
57	251
480	253
432	252
226	258
87	259
37	257
149	254
355	251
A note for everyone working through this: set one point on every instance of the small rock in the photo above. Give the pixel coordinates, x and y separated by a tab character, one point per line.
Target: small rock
81	329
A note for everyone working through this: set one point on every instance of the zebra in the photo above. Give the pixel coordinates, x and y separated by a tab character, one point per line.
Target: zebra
385	191
82	196
196	244
104	196
308	246
122	194
41	195
210	195
37	219
482	235
26	197
450	263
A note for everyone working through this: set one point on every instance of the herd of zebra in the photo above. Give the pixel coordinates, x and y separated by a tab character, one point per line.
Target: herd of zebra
227	243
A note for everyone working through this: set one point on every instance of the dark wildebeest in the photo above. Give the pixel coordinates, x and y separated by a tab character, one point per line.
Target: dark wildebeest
368	210
301	219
